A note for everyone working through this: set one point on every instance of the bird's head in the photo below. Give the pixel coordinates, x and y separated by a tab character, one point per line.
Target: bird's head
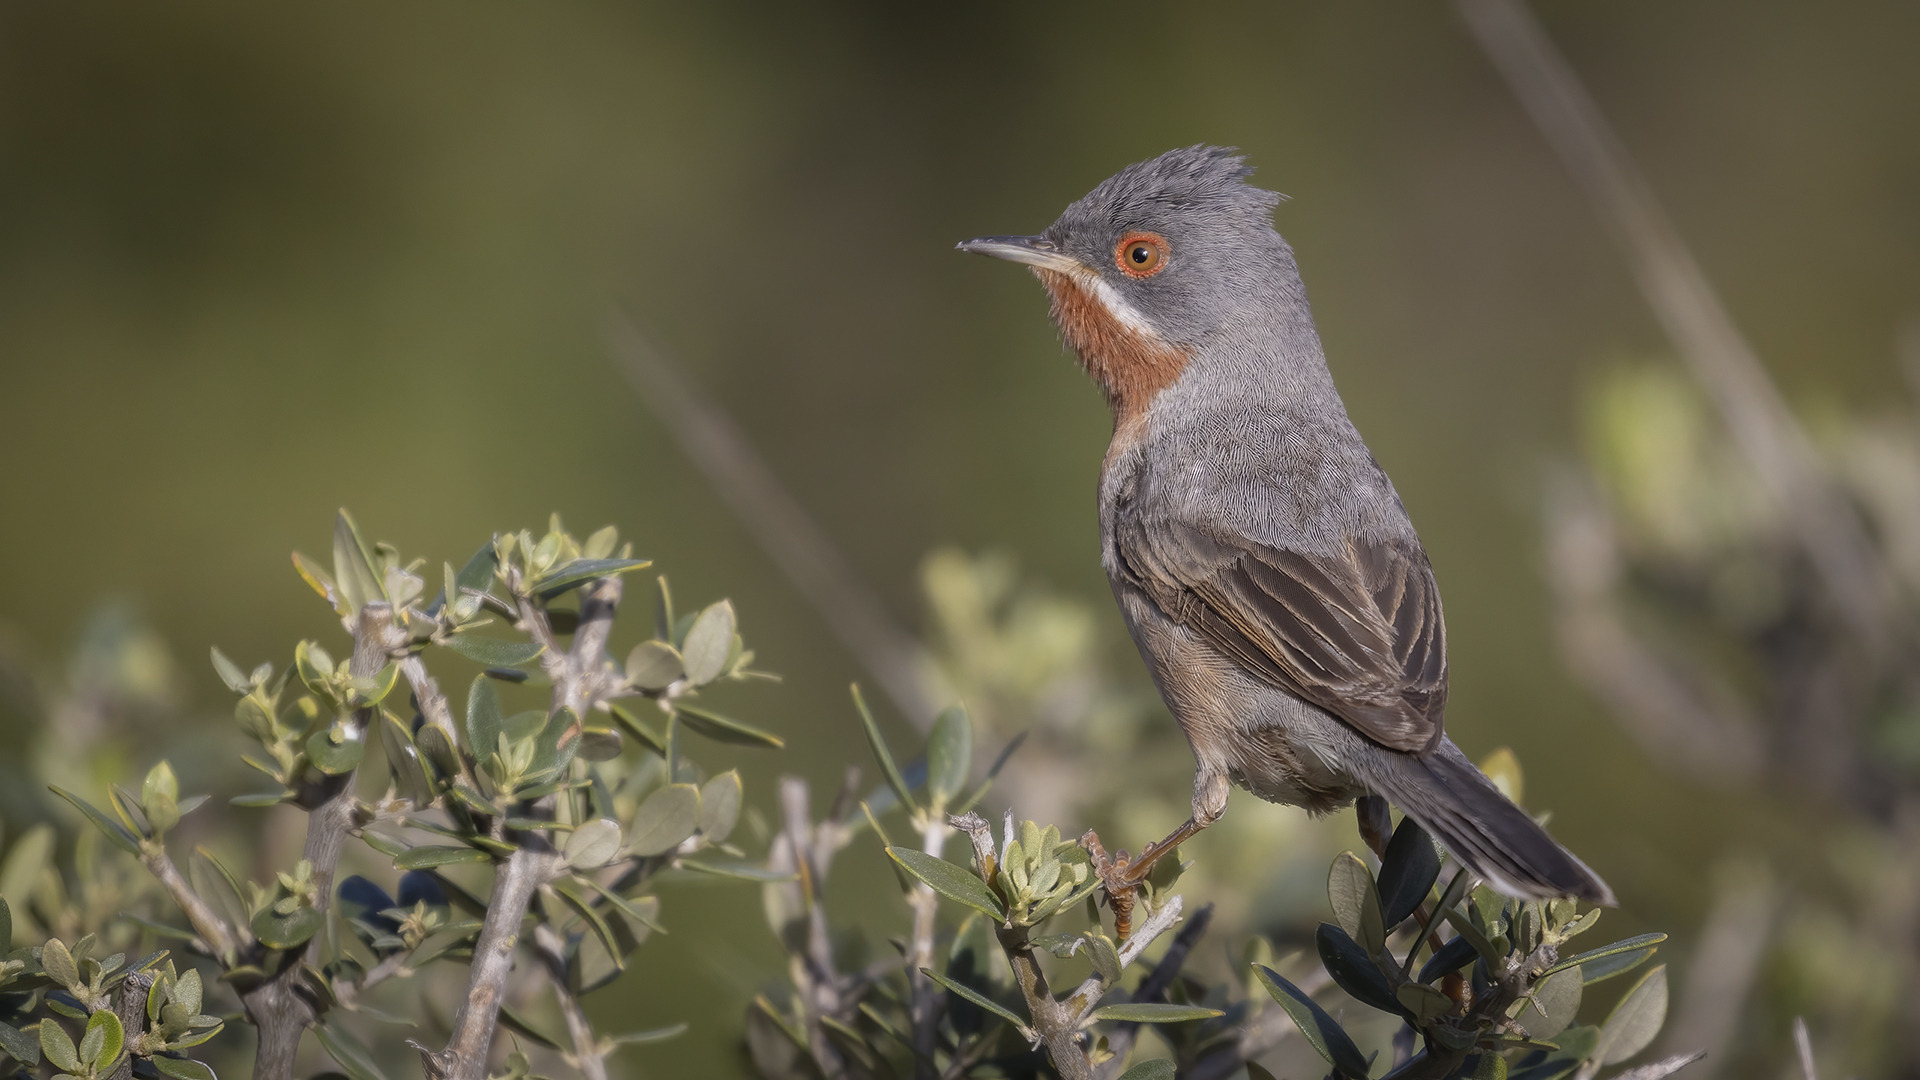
1150	264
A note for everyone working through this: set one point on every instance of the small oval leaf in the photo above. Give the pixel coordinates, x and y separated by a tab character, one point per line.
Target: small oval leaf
593	845
431	855
954	882
492	652
654	665
665	819
708	641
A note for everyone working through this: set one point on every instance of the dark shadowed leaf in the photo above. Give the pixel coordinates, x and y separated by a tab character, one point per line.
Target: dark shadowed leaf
1355	971
1157	1069
1327	1038
337	758
1457	953
954	882
484	718
1407	873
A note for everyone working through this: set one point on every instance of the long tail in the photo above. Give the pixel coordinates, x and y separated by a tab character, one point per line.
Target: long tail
1494	838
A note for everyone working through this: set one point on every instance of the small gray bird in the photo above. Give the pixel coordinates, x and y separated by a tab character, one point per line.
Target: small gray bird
1261	558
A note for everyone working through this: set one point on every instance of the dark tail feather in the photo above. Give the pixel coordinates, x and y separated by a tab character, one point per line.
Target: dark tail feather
1494	838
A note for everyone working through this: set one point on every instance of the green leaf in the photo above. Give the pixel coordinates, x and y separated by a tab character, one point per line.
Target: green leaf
1327	1038
1103	955
654	665
721	729
116	833
1157	1069
952	881
101	1044
1354	971
493	652
351	1054
521	1024
949	755
648	737
478	572
593	845
1558	1000
403	757
1575	1044
15	1042
1356	903
884	756
187	991
979	999
665	819
57	1045
353	565
58	963
337	758
579	572
720	806
287	931
1425	1003
183	1068
571	893
1407	872
484	718
1153	1012
1627	945
1635	1020
6	927
1607	967
708	641
431	855
230	673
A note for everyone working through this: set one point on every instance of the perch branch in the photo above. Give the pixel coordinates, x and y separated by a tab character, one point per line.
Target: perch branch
586	1048
925	995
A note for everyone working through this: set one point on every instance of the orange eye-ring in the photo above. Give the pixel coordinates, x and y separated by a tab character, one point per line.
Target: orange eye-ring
1141	254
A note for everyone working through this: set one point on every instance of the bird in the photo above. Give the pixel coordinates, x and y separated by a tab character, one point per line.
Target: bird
1266	569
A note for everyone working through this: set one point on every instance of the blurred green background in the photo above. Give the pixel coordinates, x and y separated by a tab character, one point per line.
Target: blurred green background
260	262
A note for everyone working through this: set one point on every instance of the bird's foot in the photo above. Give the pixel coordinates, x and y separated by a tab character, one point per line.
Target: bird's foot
1121	875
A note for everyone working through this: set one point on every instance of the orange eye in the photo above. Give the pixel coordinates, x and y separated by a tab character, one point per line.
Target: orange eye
1141	254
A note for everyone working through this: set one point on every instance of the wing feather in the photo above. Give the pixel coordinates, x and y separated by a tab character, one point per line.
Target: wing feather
1359	634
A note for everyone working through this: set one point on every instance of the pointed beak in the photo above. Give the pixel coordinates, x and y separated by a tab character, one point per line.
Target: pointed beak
1032	250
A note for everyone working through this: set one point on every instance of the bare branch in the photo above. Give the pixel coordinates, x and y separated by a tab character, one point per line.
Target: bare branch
924	1006
586	1049
213	930
1055	1024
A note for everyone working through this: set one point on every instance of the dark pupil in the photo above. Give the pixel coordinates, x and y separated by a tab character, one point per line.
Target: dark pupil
1140	253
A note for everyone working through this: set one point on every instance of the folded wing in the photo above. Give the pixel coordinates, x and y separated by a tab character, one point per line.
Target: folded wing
1359	634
